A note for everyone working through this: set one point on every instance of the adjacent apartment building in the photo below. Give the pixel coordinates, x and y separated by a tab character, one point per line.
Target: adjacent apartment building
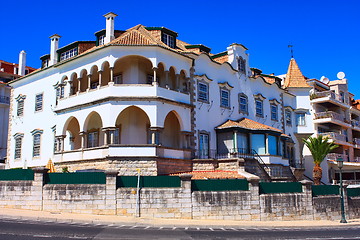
143	98
8	72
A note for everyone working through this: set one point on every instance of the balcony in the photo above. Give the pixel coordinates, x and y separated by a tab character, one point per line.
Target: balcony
331	117
329	96
336	156
144	150
5	100
356	142
355	124
337	138
125	91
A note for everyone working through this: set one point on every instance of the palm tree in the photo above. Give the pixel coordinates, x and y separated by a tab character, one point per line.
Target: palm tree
319	148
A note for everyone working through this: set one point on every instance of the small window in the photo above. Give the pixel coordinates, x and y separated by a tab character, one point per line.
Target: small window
274	112
101	40
243	104
36	144
20	107
241	64
18	145
168	40
39	102
203	94
92	139
45	63
300	119
60	92
113	136
259	108
288	117
68	54
225	98
118	79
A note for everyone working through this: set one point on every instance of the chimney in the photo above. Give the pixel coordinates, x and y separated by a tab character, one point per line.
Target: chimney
109	36
54	46
22	63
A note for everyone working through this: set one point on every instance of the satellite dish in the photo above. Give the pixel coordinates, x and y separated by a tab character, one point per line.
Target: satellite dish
340	75
324	80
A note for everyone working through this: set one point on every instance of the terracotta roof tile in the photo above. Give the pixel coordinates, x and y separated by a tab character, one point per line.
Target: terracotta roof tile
247	123
215	174
294	77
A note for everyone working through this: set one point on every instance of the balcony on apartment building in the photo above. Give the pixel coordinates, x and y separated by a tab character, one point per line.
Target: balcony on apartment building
331	117
4	100
336	156
337	138
355	124
329	97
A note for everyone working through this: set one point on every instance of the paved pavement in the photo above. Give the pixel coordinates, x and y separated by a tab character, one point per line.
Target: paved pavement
153	222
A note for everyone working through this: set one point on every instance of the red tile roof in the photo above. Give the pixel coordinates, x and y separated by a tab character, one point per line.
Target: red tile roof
247	124
294	77
215	174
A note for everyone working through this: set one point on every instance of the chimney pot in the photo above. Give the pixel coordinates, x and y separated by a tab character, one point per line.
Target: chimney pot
109	35
22	63
54	46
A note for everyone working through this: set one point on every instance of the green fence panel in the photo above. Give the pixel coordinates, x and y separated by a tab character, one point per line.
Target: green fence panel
220	185
76	178
148	181
16	174
353	192
321	190
280	187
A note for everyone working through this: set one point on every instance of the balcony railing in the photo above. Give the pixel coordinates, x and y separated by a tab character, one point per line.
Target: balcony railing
331	95
355	123
334	136
356	141
356	159
336	156
5	99
330	114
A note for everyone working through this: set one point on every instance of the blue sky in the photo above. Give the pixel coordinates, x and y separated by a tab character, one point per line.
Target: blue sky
325	34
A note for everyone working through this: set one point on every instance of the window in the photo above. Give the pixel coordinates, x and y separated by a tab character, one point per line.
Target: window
288	119
60	92
225	100
203	92
101	40
300	119
92	139
20	107
39	102
258	143
45	63
241	64
168	40
36	144
243	104
342	96
274	112
113	136
273	145
203	145
259	108
18	143
118	79
68	54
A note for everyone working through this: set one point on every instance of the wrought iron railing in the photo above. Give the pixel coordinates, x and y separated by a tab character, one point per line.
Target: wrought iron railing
336	156
334	136
330	114
330	94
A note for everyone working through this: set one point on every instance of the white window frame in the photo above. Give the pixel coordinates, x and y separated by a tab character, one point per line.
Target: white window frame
69	54
39	102
101	40
203	95
300	119
168	39
274	112
246	104
259	114
288	117
18	146
93	139
36	144
118	79
224	100
241	64
20	107
204	143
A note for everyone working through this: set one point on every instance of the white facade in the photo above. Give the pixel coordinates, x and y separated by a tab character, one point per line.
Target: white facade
4	117
120	101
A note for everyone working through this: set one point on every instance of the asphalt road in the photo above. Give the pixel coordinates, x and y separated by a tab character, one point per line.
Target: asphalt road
11	229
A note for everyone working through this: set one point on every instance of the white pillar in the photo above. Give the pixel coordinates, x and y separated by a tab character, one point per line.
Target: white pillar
54	46
109	36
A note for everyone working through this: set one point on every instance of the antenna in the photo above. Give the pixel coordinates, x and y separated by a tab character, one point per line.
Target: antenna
291	50
340	75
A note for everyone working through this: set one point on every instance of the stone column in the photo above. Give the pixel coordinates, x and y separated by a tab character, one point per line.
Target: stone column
70	92
307	191
79	85
37	188
110	192
235	145
166	79
105	130
100	78
155	135
255	212
83	139
155	83
185	198
111	75
89	82
177	87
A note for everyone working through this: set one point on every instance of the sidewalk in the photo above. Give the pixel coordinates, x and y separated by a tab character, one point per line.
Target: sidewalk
120	220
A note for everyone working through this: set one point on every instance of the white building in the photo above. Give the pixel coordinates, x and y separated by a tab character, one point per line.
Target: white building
141	98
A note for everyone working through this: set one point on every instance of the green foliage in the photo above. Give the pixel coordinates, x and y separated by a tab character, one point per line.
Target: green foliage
319	147
65	169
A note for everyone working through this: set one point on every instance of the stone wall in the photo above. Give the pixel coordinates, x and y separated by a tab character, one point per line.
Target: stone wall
174	202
